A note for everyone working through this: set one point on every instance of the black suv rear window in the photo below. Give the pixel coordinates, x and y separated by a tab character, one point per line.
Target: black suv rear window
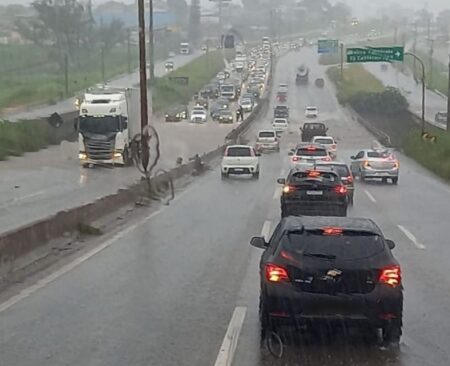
311	152
341	170
317	175
267	134
348	246
239	151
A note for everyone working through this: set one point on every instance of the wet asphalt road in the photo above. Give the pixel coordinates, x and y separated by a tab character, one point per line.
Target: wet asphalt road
40	184
163	292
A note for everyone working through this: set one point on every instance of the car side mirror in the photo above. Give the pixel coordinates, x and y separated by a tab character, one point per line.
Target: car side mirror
258	242
390	244
281	181
291	153
352	157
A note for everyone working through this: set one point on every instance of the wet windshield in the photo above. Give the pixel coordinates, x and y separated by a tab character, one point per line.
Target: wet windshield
100	125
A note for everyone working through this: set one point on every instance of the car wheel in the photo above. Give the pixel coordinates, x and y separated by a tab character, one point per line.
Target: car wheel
384	180
256	175
395	180
392	332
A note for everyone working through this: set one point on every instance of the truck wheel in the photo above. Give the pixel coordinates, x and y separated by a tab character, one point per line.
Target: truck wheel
127	161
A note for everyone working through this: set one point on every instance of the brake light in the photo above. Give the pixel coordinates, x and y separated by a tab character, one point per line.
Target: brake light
313	174
287	189
311	148
340	189
332	230
349	179
295	158
276	273
391	276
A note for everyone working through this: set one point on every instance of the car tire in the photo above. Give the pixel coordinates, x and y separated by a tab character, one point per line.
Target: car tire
384	180
256	175
392	332
395	180
127	161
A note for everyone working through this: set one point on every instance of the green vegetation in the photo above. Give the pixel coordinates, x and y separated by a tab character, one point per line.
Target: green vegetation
438	79
355	82
433	156
167	93
29	74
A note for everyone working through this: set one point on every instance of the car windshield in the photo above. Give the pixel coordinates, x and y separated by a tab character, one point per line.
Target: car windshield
346	247
311	152
324	141
322	176
198	111
239	151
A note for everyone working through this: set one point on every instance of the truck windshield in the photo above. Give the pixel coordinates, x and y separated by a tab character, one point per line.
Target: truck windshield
227	88
100	125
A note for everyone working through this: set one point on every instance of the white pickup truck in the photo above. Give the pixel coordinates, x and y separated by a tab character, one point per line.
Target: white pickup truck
240	159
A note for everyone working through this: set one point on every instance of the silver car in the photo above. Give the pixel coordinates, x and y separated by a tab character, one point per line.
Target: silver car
381	164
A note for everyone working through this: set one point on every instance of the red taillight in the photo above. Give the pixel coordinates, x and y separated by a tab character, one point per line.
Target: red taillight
391	276
313	174
332	230
341	189
276	273
333	146
311	148
295	158
349	179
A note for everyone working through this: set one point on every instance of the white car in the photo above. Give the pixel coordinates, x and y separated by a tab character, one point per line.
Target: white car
267	140
280	124
247	105
306	154
198	115
240	159
311	112
328	142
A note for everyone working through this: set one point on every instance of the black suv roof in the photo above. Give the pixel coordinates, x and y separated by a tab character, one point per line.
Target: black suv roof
319	222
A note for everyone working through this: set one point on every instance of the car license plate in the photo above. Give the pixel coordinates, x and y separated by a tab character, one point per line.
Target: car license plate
238	170
314	193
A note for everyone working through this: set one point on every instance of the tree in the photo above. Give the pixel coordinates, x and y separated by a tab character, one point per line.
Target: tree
443	22
194	21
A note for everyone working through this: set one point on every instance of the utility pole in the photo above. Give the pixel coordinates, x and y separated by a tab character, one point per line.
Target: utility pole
342	61
151	48
102	56
414	49
448	97
143	85
66	74
423	88
431	61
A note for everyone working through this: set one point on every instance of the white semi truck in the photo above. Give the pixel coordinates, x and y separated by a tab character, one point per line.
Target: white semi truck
185	48
109	119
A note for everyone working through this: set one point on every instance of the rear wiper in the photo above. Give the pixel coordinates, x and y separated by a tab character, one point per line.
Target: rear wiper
319	255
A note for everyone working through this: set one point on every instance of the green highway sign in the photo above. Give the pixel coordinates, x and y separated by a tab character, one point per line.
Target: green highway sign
375	54
327	46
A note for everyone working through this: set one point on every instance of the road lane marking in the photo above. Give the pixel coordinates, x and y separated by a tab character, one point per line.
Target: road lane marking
230	341
371	197
411	237
265	232
70	266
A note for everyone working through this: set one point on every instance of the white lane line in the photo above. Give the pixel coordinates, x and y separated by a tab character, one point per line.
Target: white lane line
411	237
371	197
230	341
265	232
70	266
277	193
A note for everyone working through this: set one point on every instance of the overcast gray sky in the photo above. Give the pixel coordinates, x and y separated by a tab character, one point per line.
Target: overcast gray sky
433	5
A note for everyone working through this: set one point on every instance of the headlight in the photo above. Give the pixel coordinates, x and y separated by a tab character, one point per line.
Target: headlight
82	156
117	155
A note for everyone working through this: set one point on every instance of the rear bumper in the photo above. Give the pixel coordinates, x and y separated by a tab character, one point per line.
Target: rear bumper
267	146
289	305
246	169
372	173
325	208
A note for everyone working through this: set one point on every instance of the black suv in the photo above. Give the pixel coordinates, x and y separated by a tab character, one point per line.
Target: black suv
317	191
281	111
332	270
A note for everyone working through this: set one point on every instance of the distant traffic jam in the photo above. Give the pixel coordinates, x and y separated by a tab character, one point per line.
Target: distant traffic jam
319	266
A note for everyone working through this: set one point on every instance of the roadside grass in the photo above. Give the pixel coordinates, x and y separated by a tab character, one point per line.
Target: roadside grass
167	92
433	156
356	80
436	80
17	138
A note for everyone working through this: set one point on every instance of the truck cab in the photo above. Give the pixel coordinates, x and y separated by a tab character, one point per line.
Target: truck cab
107	123
185	49
228	91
